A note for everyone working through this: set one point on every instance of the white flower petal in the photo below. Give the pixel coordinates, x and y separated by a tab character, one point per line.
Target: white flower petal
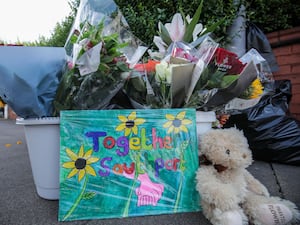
188	19
177	28
155	55
198	28
203	30
160	44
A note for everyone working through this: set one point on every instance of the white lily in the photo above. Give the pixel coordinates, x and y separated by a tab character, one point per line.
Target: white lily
161	45
176	28
186	30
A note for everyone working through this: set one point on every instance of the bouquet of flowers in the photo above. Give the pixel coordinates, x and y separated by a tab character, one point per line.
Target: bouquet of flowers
189	69
198	74
101	51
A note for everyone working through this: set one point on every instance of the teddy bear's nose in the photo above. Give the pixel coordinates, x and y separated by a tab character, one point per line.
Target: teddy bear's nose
244	156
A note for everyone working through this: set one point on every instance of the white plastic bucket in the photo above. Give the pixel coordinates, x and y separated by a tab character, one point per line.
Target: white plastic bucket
42	137
204	121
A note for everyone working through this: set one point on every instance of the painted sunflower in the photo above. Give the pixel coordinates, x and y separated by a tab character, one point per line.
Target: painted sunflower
176	123
81	163
130	123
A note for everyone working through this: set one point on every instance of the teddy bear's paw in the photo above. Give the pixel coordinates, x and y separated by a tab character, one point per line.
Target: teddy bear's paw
232	217
274	214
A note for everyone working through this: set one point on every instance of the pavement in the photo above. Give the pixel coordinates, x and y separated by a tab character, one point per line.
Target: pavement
21	205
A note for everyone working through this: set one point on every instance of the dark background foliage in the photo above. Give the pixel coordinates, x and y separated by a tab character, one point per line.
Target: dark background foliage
269	15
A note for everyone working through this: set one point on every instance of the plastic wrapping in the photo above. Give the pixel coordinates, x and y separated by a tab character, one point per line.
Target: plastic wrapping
101	51
29	78
264	72
273	135
121	163
93	12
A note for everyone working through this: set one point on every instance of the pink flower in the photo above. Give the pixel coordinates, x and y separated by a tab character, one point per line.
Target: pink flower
70	65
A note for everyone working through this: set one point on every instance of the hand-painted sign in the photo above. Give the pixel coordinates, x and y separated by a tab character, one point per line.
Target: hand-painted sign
120	163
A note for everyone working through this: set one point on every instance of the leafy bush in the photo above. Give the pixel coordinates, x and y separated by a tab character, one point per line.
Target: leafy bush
143	16
273	15
269	15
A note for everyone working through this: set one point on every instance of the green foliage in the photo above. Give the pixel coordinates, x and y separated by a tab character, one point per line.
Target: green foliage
270	15
273	15
143	17
188	36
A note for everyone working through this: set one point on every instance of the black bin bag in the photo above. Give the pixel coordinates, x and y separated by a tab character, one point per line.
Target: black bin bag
255	38
273	135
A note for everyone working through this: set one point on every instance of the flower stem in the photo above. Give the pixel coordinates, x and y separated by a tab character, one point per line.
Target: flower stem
126	210
77	200
178	193
183	146
137	170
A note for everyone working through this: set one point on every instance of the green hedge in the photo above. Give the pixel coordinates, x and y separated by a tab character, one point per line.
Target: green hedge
269	15
143	16
273	15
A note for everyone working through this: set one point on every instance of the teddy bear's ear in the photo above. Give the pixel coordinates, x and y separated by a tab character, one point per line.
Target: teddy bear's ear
237	131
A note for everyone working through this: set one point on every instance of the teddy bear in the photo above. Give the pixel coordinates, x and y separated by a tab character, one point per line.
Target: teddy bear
230	194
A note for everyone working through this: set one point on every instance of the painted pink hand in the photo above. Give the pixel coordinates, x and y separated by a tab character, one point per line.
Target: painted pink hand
148	193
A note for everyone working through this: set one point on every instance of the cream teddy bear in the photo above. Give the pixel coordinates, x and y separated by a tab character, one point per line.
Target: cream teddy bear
230	195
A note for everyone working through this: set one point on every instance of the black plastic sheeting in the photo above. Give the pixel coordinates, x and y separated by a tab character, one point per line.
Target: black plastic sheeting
273	135
255	38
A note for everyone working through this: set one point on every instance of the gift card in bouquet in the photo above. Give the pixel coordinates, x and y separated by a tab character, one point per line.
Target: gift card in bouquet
122	163
181	80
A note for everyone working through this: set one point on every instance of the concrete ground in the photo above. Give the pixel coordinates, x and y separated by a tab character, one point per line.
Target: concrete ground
20	204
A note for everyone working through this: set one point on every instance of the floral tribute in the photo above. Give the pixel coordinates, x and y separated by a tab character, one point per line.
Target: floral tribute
125	160
189	69
94	75
120	163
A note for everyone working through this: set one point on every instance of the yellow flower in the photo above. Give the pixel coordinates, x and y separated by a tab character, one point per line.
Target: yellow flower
130	123
257	89
176	123
80	163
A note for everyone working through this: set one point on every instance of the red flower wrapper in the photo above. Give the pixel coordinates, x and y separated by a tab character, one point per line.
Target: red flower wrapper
228	62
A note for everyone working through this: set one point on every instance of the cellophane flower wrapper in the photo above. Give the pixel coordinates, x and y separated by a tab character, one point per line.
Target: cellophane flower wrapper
225	78
264	71
164	83
191	77
204	76
262	85
101	50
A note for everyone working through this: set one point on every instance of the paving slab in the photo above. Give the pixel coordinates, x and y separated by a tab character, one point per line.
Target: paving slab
288	179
